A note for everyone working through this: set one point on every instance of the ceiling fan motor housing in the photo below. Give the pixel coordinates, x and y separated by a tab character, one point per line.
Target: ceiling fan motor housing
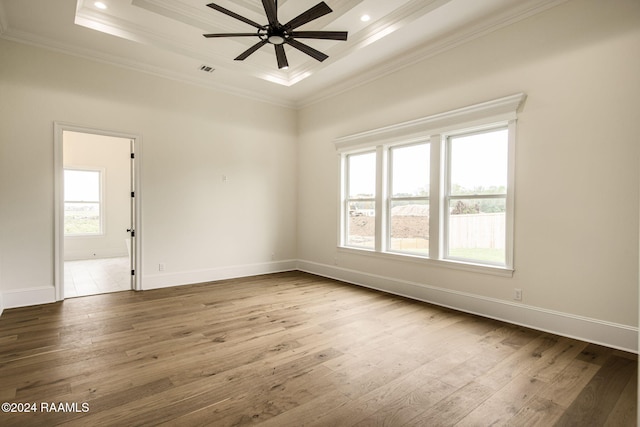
274	35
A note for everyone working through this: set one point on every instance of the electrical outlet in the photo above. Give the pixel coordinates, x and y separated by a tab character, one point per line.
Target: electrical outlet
161	266
517	294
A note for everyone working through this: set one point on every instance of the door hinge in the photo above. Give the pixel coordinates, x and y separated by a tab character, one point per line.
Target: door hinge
133	194
133	156
133	272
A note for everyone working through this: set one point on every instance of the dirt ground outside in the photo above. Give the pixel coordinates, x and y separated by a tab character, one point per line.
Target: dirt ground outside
410	233
401	226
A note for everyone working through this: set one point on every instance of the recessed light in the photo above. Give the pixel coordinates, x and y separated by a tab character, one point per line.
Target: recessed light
100	5
365	18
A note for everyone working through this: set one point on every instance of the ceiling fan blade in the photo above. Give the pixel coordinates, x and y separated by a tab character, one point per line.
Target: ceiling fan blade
244	55
235	15
230	35
316	54
271	12
315	12
282	57
330	35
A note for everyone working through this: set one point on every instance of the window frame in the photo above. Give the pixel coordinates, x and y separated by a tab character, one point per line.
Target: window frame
390	197
435	129
100	202
346	200
448	197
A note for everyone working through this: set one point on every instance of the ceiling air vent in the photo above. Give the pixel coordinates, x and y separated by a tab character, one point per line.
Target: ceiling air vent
207	69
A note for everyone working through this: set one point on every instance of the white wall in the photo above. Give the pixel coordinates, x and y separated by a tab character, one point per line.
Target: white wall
113	156
192	221
576	212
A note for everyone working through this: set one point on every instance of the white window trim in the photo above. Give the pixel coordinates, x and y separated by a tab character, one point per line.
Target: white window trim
435	128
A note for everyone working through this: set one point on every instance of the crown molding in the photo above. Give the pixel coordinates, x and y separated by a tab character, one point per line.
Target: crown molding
466	35
114	60
363	38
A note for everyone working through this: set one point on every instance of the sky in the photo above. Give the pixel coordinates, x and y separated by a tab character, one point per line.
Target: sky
81	186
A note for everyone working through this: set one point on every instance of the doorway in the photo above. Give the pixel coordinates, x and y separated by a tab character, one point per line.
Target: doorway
97	203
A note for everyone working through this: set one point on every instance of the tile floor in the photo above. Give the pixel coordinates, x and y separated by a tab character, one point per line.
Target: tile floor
96	276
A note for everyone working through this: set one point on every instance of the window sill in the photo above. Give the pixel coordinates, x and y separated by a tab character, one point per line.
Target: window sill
441	263
83	236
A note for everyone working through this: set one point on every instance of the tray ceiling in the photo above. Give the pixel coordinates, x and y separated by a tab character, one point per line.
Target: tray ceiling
164	37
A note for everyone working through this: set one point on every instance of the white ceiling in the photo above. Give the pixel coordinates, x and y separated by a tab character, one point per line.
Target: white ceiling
164	37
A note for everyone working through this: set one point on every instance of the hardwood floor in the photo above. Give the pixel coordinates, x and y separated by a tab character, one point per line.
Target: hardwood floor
294	349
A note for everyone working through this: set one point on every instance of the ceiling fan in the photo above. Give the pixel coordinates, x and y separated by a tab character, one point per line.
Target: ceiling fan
278	34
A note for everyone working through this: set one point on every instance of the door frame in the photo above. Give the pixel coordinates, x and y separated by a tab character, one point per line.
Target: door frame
136	241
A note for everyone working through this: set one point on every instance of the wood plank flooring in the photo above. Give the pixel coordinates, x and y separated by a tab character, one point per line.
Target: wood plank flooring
293	349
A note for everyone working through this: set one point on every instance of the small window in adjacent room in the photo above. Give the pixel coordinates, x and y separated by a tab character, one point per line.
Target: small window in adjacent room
82	202
360	209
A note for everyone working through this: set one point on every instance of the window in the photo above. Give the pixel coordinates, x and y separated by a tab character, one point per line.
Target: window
360	201
82	202
408	205
476	197
438	189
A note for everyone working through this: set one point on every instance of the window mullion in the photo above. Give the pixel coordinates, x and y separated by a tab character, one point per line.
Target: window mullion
435	201
445	209
344	201
380	199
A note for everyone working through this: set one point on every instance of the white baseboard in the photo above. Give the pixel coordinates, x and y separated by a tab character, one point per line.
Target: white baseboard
596	331
46	294
25	297
165	280
609	334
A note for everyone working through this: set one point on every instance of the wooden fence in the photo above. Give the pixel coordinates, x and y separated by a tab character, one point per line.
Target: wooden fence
484	230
